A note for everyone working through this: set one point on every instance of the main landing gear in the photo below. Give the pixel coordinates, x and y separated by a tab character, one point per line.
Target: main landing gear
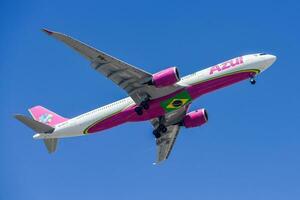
143	106
160	129
252	80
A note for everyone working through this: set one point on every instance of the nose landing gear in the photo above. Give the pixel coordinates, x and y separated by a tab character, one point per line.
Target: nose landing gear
252	80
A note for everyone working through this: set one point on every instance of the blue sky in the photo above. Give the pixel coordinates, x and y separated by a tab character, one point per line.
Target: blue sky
249	149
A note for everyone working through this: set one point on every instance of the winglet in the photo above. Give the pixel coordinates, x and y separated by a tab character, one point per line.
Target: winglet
47	31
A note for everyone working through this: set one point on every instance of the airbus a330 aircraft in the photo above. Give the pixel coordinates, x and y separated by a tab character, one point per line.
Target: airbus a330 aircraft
162	98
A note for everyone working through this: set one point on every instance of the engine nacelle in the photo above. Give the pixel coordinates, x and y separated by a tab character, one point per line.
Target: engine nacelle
165	77
195	118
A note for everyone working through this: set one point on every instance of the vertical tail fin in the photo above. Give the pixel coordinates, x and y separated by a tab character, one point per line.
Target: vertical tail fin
46	116
43	121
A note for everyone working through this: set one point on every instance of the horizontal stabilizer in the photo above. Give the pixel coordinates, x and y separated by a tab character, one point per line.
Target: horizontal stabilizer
38	127
51	144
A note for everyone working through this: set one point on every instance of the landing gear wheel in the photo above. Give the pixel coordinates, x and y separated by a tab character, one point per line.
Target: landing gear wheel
252	81
157	134
164	129
145	105
139	110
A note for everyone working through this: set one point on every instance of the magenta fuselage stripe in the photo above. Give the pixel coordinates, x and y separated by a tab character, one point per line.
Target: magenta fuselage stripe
129	115
209	86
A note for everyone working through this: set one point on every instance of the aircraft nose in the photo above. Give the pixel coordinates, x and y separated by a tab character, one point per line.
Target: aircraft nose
272	59
269	60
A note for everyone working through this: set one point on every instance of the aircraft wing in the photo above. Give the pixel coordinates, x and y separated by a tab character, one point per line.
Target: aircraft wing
165	143
132	79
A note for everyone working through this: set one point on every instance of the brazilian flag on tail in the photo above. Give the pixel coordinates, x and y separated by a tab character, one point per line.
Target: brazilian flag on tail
176	102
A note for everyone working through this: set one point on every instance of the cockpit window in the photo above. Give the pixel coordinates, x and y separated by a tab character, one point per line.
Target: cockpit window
261	54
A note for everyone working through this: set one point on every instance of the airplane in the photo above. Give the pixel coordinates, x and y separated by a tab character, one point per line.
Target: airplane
163	98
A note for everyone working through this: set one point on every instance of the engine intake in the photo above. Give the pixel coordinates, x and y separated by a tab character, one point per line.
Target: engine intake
165	77
195	118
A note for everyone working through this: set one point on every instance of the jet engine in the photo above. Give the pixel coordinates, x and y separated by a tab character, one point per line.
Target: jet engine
165	77
195	118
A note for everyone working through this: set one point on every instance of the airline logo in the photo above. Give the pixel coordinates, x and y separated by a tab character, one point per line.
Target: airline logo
46	118
176	102
226	65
